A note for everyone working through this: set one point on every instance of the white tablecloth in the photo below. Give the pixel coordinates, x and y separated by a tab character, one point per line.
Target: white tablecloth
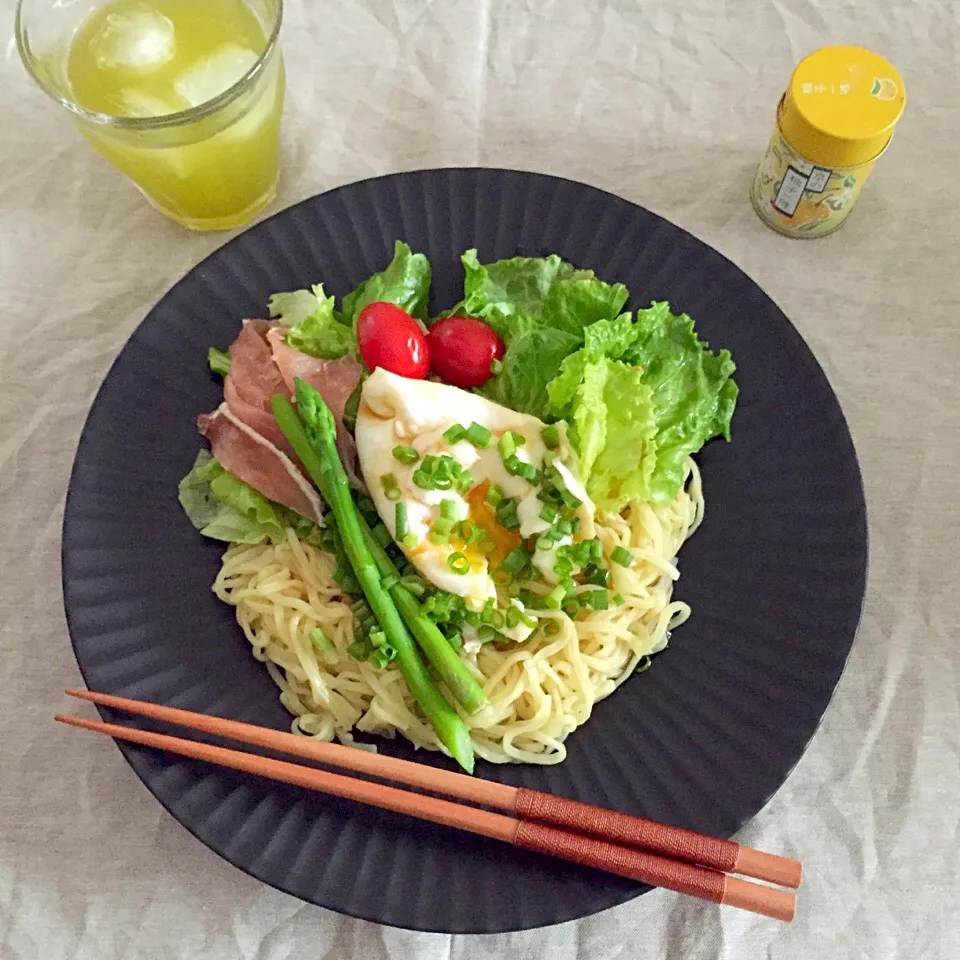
669	105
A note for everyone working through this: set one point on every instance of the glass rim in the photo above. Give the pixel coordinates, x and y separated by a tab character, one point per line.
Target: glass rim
181	117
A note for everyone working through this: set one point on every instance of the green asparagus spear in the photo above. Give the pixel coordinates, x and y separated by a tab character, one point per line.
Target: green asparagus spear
453	671
314	440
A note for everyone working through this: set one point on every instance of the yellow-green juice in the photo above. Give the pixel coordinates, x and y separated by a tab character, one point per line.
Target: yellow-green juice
151	59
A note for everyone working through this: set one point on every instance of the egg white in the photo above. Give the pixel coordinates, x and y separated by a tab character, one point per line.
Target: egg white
396	411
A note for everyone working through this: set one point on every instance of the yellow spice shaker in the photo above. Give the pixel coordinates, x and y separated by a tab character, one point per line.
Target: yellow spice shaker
835	119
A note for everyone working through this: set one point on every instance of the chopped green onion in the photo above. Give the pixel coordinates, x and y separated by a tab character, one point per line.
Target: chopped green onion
466	531
423	479
550	436
414	585
410	540
359	649
455	640
643	665
569	499
378	638
502	577
393	494
382	656
320	640
545	543
438	538
599	599
486	545
455	433
516	560
497	619
389	482
494	495
382	535
597	575
400	521
507	445
507	513
465	482
443	525
442	483
458	563
527	621
486	633
596	548
549	513
448	509
388	583
618	599
555	535
555	597
472	618
479	435
405	454
624	557
564	527
520	468
529	473
513	616
551	628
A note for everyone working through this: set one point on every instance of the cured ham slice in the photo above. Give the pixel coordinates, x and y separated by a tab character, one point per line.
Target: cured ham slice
334	380
252	382
254	459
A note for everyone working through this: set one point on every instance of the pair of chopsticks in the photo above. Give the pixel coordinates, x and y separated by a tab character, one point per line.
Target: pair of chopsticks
643	850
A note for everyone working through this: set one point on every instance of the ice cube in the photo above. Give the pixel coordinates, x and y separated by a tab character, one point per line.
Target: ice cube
209	77
136	103
138	38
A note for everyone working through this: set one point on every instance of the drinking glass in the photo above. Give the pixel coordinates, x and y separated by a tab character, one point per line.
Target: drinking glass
213	162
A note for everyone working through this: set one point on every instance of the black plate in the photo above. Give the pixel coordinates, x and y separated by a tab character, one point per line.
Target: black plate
775	575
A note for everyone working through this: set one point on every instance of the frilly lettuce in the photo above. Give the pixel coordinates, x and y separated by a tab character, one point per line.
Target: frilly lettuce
405	281
313	324
540	307
664	394
223	507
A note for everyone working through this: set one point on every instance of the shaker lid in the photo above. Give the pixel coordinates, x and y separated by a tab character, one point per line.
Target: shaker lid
841	106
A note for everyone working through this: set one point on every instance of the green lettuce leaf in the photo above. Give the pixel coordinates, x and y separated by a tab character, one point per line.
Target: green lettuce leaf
223	507
313	324
531	360
605	338
219	361
517	295
615	427
540	307
691	388
405	282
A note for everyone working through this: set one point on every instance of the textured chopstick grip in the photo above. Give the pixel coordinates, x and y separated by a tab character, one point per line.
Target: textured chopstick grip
634	864
622	828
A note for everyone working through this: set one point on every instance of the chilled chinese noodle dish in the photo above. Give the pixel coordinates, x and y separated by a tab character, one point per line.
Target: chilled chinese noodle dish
462	529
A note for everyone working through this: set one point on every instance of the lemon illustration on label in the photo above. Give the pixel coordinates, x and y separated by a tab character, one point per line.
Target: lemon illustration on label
884	88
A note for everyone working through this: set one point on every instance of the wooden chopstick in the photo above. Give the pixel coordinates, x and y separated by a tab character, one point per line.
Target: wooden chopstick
673	842
634	864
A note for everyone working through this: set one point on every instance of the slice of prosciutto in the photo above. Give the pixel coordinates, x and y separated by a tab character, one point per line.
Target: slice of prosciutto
249	455
334	380
252	382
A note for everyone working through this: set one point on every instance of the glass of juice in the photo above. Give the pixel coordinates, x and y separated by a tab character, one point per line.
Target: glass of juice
183	96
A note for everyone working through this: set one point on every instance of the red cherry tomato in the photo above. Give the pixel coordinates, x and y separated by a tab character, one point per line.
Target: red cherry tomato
389	337
462	349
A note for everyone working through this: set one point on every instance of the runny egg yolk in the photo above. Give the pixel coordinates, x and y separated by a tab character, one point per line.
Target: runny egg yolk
483	515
